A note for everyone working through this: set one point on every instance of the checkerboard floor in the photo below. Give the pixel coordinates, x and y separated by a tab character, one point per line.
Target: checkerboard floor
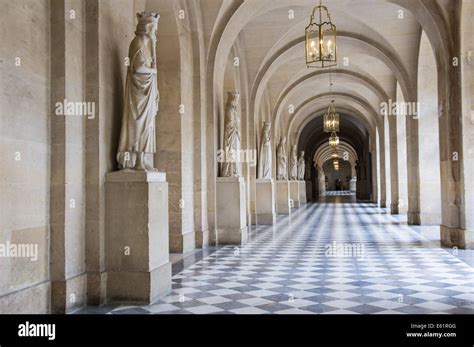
339	193
327	258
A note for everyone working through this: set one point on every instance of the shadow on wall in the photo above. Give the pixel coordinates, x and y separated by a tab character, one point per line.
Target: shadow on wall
118	68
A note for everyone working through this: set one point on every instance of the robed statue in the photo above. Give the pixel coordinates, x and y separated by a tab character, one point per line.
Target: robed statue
294	164
137	139
231	165
265	155
282	161
301	167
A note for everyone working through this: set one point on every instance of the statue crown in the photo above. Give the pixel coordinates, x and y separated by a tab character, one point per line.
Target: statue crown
148	17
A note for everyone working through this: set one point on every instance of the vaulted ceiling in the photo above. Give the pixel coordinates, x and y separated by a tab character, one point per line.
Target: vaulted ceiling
377	46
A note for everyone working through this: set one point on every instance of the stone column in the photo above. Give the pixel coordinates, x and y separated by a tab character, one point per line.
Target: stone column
374	171
67	202
265	205
283	197
363	180
106	33
413	175
232	226
137	237
402	167
453	224
387	161
382	167
392	124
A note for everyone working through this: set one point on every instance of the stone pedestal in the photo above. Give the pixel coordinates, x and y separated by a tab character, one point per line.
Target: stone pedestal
283	197
266	211
231	211
302	190
353	185
294	194
137	237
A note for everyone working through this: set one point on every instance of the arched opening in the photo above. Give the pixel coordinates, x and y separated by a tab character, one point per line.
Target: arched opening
430	182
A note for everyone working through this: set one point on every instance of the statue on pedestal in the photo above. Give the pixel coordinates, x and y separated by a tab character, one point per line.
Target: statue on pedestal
294	164
282	167
301	167
265	155
231	165
137	138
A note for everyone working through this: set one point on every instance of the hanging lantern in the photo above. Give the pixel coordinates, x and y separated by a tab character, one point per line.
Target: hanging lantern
321	50
334	140
336	164
331	119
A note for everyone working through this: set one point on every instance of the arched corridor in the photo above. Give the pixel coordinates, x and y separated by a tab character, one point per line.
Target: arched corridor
186	156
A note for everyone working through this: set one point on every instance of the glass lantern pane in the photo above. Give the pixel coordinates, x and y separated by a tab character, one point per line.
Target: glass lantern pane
312	47
329	43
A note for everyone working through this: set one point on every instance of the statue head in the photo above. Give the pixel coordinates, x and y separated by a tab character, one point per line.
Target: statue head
283	140
147	24
302	154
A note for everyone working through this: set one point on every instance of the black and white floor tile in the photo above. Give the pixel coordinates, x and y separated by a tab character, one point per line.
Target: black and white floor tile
339	193
326	258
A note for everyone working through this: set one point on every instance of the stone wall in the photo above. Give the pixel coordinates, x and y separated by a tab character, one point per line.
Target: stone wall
67	179
467	47
24	150
332	175
55	164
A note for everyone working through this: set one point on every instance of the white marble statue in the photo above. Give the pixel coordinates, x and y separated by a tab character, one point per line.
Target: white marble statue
231	166
137	139
301	167
282	160
265	155
294	164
